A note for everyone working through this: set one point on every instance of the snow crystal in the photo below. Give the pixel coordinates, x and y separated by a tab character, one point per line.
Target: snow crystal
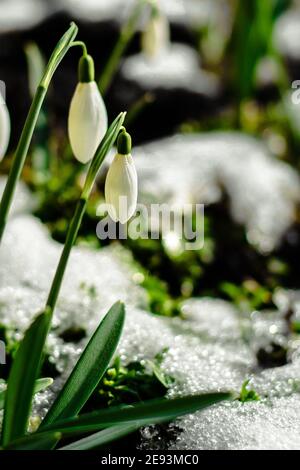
243	426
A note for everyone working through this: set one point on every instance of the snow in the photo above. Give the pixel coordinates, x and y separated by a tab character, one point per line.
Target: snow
287	35
178	67
263	191
23	200
211	348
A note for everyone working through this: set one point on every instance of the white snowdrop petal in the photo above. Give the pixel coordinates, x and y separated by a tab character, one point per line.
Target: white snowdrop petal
87	123
4	128
121	188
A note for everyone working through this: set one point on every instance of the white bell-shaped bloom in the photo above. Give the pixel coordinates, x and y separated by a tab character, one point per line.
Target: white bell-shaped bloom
4	127
121	188
87	123
155	38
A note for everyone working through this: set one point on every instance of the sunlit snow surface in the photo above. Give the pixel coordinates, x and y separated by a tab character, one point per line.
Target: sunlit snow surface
262	190
211	349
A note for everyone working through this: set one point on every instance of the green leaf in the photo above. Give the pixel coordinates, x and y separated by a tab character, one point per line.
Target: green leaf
42	384
58	54
45	441
251	41
21	381
149	412
102	437
90	367
103	149
247	394
39	386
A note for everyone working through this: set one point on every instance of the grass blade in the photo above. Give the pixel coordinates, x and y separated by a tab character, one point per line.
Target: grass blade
42	384
149	412
90	367
45	441
103	149
39	386
21	381
102	437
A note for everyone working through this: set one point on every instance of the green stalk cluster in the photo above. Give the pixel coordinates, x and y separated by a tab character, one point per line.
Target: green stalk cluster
58	54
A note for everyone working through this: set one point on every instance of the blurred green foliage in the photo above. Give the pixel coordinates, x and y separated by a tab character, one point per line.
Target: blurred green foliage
252	40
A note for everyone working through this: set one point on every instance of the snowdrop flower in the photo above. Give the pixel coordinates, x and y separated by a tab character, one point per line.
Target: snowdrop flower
121	185
155	38
87	123
4	127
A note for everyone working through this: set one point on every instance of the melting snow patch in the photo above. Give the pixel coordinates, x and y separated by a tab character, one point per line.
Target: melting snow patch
210	349
23	201
243	426
95	279
263	191
177	68
287	33
186	12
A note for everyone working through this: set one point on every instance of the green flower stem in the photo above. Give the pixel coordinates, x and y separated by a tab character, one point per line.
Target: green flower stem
125	38
105	146
82	45
21	380
70	240
20	156
26	136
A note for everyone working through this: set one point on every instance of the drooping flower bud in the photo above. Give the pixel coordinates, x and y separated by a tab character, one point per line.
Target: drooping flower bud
155	38
121	186
4	127
87	123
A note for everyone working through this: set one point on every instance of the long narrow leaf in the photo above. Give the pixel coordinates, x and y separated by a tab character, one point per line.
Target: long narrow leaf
149	412
42	384
90	367
103	149
102	437
58	53
21	382
45	441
